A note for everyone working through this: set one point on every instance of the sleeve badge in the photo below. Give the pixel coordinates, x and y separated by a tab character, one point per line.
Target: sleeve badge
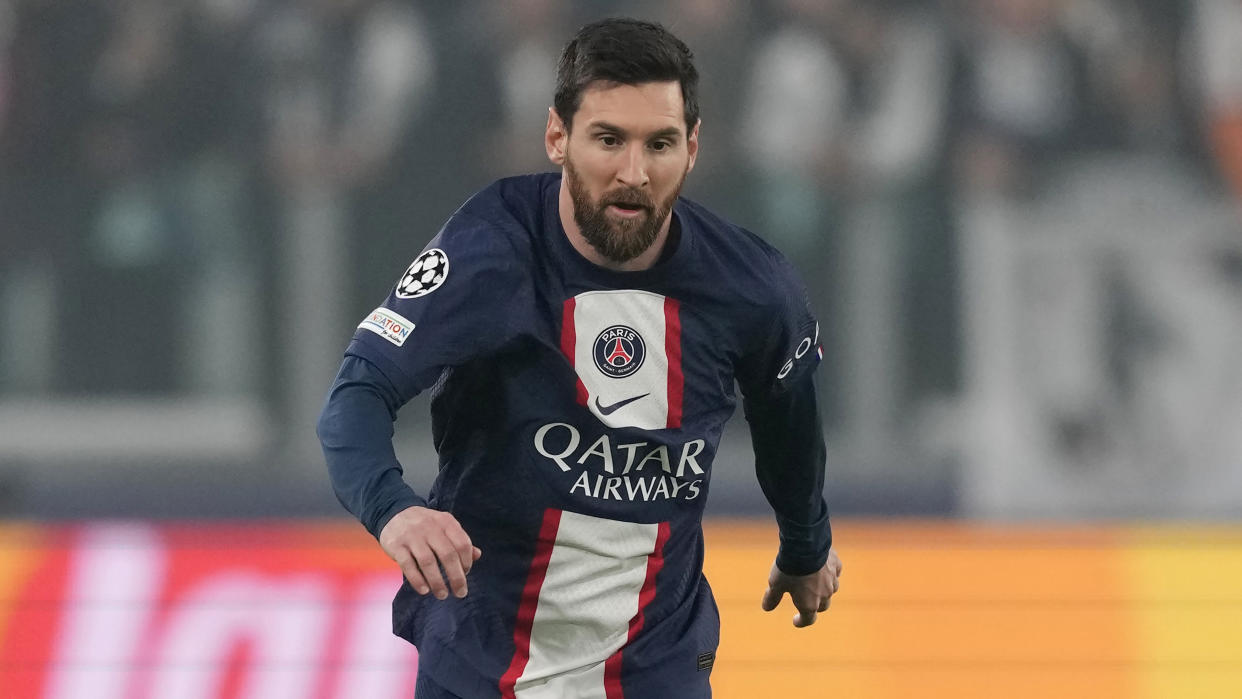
424	275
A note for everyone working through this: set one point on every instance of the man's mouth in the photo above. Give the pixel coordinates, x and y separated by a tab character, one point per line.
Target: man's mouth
627	209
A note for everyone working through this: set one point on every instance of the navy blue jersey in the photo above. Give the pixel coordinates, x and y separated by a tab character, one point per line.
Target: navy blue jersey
577	412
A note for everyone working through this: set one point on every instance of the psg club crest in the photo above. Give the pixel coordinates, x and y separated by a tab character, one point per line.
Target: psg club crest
619	351
425	275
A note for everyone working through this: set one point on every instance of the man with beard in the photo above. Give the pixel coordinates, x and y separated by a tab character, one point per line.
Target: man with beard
581	334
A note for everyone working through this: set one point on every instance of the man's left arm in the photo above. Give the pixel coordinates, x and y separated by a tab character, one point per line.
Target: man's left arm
788	439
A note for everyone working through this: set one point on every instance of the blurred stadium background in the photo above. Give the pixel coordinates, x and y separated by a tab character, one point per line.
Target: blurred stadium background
1020	221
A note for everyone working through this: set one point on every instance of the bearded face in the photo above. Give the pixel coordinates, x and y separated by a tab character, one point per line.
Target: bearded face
623	162
622	222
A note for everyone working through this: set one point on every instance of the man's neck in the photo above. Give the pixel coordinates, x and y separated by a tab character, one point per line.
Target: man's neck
646	260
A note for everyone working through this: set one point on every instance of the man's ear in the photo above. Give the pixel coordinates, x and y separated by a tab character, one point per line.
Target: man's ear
692	145
555	137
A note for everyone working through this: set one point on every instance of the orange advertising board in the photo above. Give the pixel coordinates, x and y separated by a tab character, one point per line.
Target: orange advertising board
300	610
140	611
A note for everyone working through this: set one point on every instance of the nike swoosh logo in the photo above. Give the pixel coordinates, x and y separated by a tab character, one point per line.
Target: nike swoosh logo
610	409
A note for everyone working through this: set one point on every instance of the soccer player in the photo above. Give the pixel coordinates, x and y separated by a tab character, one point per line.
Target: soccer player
581	333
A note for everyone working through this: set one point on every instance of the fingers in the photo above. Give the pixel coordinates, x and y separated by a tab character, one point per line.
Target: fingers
429	567
410	569
826	600
456	555
432	549
450	562
811	594
771	598
809	604
462	547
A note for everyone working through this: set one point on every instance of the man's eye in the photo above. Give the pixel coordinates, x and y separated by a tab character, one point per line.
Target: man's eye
661	145
609	140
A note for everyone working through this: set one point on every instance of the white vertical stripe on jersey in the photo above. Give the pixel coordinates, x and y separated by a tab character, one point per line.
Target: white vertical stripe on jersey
589	595
642	311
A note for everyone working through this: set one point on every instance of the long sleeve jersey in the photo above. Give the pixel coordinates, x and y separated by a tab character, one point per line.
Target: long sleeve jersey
576	412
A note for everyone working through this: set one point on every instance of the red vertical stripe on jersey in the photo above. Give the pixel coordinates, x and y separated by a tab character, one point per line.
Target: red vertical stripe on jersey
672	349
569	346
612	666
530	600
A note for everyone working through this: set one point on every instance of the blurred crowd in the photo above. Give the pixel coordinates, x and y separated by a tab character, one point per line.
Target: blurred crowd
185	181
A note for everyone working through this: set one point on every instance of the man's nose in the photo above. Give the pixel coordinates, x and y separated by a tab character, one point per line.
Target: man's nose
633	171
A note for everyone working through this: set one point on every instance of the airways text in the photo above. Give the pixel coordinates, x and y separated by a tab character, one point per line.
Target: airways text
623	476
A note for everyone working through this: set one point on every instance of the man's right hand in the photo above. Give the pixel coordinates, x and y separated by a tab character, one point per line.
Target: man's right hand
421	540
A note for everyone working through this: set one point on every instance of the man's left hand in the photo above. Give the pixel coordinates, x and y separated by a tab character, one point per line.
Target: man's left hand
810	594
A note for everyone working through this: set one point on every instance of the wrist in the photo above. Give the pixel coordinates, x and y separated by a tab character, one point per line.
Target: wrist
791	564
384	515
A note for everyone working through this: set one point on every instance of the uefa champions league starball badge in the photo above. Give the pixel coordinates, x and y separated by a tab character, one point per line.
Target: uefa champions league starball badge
424	275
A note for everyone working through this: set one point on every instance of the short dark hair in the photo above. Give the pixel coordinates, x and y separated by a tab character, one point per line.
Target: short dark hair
627	52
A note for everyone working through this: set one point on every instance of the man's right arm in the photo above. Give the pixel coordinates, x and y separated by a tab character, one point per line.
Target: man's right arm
454	303
356	429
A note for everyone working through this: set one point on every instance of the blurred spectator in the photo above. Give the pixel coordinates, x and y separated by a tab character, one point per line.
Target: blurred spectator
718	32
794	121
792	133
1130	49
900	57
169	254
1214	48
345	83
898	252
346	79
50	50
522	40
217	123
165	149
1021	92
131	246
